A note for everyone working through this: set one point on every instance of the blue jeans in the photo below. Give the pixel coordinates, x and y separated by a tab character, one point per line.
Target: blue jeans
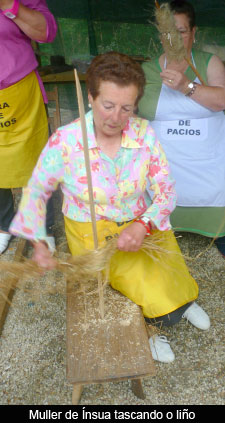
169	319
220	243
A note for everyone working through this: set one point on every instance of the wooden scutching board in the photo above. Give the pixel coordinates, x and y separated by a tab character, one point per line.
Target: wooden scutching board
8	288
109	349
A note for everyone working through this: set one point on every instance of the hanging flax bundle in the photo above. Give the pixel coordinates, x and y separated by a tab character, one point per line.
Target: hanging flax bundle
172	40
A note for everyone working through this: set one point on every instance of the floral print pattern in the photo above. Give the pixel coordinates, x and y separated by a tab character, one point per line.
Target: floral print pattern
136	182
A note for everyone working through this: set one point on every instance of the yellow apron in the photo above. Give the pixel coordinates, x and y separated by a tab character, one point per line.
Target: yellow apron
23	131
159	287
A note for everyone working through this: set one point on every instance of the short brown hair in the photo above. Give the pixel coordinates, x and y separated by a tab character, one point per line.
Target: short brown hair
184	7
114	67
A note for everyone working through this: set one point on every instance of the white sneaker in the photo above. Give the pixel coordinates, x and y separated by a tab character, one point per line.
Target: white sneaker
4	241
197	316
51	243
160	349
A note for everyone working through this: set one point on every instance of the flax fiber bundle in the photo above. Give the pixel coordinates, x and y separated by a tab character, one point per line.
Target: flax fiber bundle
172	40
76	269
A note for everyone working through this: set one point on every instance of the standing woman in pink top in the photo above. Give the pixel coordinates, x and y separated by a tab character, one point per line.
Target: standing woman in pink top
23	120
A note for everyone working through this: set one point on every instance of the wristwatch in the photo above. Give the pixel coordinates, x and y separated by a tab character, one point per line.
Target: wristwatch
190	85
145	219
145	222
191	89
13	12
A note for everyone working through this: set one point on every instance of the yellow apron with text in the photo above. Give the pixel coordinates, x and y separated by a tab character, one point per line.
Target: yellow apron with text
23	131
159	287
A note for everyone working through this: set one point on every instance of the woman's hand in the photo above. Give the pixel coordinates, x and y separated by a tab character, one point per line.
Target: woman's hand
131	238
175	80
211	95
42	256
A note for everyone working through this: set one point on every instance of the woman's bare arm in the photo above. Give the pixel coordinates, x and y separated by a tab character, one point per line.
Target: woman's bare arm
212	95
31	22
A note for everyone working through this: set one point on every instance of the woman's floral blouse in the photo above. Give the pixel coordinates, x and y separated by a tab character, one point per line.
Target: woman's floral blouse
136	182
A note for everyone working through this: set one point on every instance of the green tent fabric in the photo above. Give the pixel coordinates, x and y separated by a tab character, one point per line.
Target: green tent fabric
208	12
90	27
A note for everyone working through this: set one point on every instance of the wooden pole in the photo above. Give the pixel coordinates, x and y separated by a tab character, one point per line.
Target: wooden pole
86	157
89	180
195	70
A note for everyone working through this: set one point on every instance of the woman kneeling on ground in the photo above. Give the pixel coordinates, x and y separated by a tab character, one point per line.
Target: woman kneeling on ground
126	160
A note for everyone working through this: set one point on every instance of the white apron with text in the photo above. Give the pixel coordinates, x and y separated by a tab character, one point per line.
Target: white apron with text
193	138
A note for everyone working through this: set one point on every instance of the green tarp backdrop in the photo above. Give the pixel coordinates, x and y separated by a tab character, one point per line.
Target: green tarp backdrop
137	11
94	26
89	27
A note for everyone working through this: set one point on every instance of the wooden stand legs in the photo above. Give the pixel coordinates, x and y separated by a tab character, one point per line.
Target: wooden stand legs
77	391
136	386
